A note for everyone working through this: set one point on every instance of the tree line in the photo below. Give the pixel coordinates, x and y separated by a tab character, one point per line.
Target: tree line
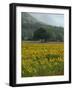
45	35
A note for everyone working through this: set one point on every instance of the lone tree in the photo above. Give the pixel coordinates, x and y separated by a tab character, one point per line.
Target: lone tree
40	34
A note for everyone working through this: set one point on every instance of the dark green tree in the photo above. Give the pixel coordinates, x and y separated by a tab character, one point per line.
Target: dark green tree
40	34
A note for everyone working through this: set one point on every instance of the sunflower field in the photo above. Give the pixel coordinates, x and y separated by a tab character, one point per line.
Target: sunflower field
42	59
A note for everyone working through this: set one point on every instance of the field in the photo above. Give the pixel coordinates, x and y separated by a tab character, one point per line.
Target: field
42	59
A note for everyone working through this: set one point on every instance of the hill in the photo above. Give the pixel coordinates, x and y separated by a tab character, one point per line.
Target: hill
31	24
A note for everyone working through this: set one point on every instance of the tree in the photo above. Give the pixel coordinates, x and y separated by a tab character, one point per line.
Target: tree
23	35
40	34
60	37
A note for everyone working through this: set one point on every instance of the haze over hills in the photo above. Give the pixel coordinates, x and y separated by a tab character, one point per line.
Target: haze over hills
54	19
30	24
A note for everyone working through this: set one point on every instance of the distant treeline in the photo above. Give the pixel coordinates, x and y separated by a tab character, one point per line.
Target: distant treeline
44	35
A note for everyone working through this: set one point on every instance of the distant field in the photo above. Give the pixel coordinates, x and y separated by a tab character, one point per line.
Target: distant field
42	59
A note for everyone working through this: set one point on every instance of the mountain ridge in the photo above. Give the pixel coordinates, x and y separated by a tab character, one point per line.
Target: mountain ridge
31	24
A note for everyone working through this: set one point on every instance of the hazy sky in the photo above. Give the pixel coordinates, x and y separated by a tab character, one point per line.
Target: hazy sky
51	19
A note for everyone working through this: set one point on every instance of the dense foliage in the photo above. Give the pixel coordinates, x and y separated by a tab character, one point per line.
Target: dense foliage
48	35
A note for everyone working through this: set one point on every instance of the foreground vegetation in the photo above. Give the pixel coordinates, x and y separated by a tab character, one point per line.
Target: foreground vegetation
42	59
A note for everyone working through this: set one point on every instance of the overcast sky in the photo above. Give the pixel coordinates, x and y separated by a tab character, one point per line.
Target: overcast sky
51	19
